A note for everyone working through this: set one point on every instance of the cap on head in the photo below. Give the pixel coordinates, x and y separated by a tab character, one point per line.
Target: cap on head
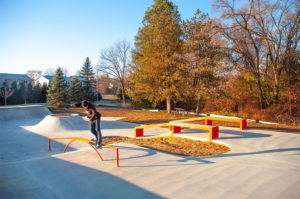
84	103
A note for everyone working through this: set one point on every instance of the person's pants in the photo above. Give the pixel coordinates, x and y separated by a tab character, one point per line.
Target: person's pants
95	129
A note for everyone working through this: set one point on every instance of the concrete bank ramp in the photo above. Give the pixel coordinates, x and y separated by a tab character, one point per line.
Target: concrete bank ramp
60	123
23	112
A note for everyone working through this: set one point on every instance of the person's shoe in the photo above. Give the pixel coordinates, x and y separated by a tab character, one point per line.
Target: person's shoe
93	139
98	146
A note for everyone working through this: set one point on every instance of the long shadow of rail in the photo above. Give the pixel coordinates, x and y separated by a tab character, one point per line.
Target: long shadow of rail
188	160
228	155
242	134
280	129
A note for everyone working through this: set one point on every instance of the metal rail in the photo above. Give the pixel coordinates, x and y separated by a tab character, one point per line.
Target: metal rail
87	142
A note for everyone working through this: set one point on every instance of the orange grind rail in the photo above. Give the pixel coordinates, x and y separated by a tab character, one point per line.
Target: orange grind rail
87	142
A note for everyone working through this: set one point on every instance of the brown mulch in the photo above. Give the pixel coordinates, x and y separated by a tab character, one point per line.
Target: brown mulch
181	146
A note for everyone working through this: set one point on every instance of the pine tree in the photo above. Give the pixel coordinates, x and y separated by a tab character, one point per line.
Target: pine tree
22	91
75	91
29	93
156	55
89	80
202	56
43	94
57	92
36	93
13	99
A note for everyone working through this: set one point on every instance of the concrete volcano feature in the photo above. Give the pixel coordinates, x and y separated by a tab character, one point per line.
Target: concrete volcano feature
23	112
59	123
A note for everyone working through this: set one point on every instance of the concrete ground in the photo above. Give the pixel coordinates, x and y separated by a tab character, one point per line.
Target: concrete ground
261	164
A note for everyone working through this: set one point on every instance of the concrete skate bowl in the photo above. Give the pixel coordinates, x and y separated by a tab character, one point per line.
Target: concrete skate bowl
59	123
23	112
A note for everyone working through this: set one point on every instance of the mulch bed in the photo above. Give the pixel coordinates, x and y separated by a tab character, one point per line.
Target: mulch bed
175	145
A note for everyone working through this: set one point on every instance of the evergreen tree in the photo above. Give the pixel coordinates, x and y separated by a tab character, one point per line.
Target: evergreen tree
1	97
36	93
75	91
202	56
156	55
57	91
29	93
13	99
89	80
43	94
22	92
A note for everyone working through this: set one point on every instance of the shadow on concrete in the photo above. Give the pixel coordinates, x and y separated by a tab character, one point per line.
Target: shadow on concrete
280	129
197	160
257	152
225	155
17	143
242	134
150	152
56	178
28	170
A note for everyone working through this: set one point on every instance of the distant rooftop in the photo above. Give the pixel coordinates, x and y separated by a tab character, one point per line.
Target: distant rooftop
50	77
78	77
14	76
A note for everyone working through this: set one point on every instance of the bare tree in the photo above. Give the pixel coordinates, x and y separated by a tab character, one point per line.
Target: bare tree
34	74
262	35
65	71
277	25
203	53
114	61
52	71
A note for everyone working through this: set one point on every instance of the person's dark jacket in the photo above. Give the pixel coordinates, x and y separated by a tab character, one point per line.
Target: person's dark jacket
91	112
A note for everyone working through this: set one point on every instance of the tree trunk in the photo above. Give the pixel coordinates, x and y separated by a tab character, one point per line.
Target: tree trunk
276	95
289	93
123	95
260	91
168	101
198	105
276	89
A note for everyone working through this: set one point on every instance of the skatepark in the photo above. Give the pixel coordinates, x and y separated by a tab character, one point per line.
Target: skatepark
261	164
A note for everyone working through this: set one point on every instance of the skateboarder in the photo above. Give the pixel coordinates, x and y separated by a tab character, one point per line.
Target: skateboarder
95	118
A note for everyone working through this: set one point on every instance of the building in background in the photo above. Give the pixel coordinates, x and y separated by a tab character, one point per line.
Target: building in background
11	77
46	80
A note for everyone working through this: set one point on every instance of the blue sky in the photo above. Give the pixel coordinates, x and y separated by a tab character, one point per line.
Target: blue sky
42	34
